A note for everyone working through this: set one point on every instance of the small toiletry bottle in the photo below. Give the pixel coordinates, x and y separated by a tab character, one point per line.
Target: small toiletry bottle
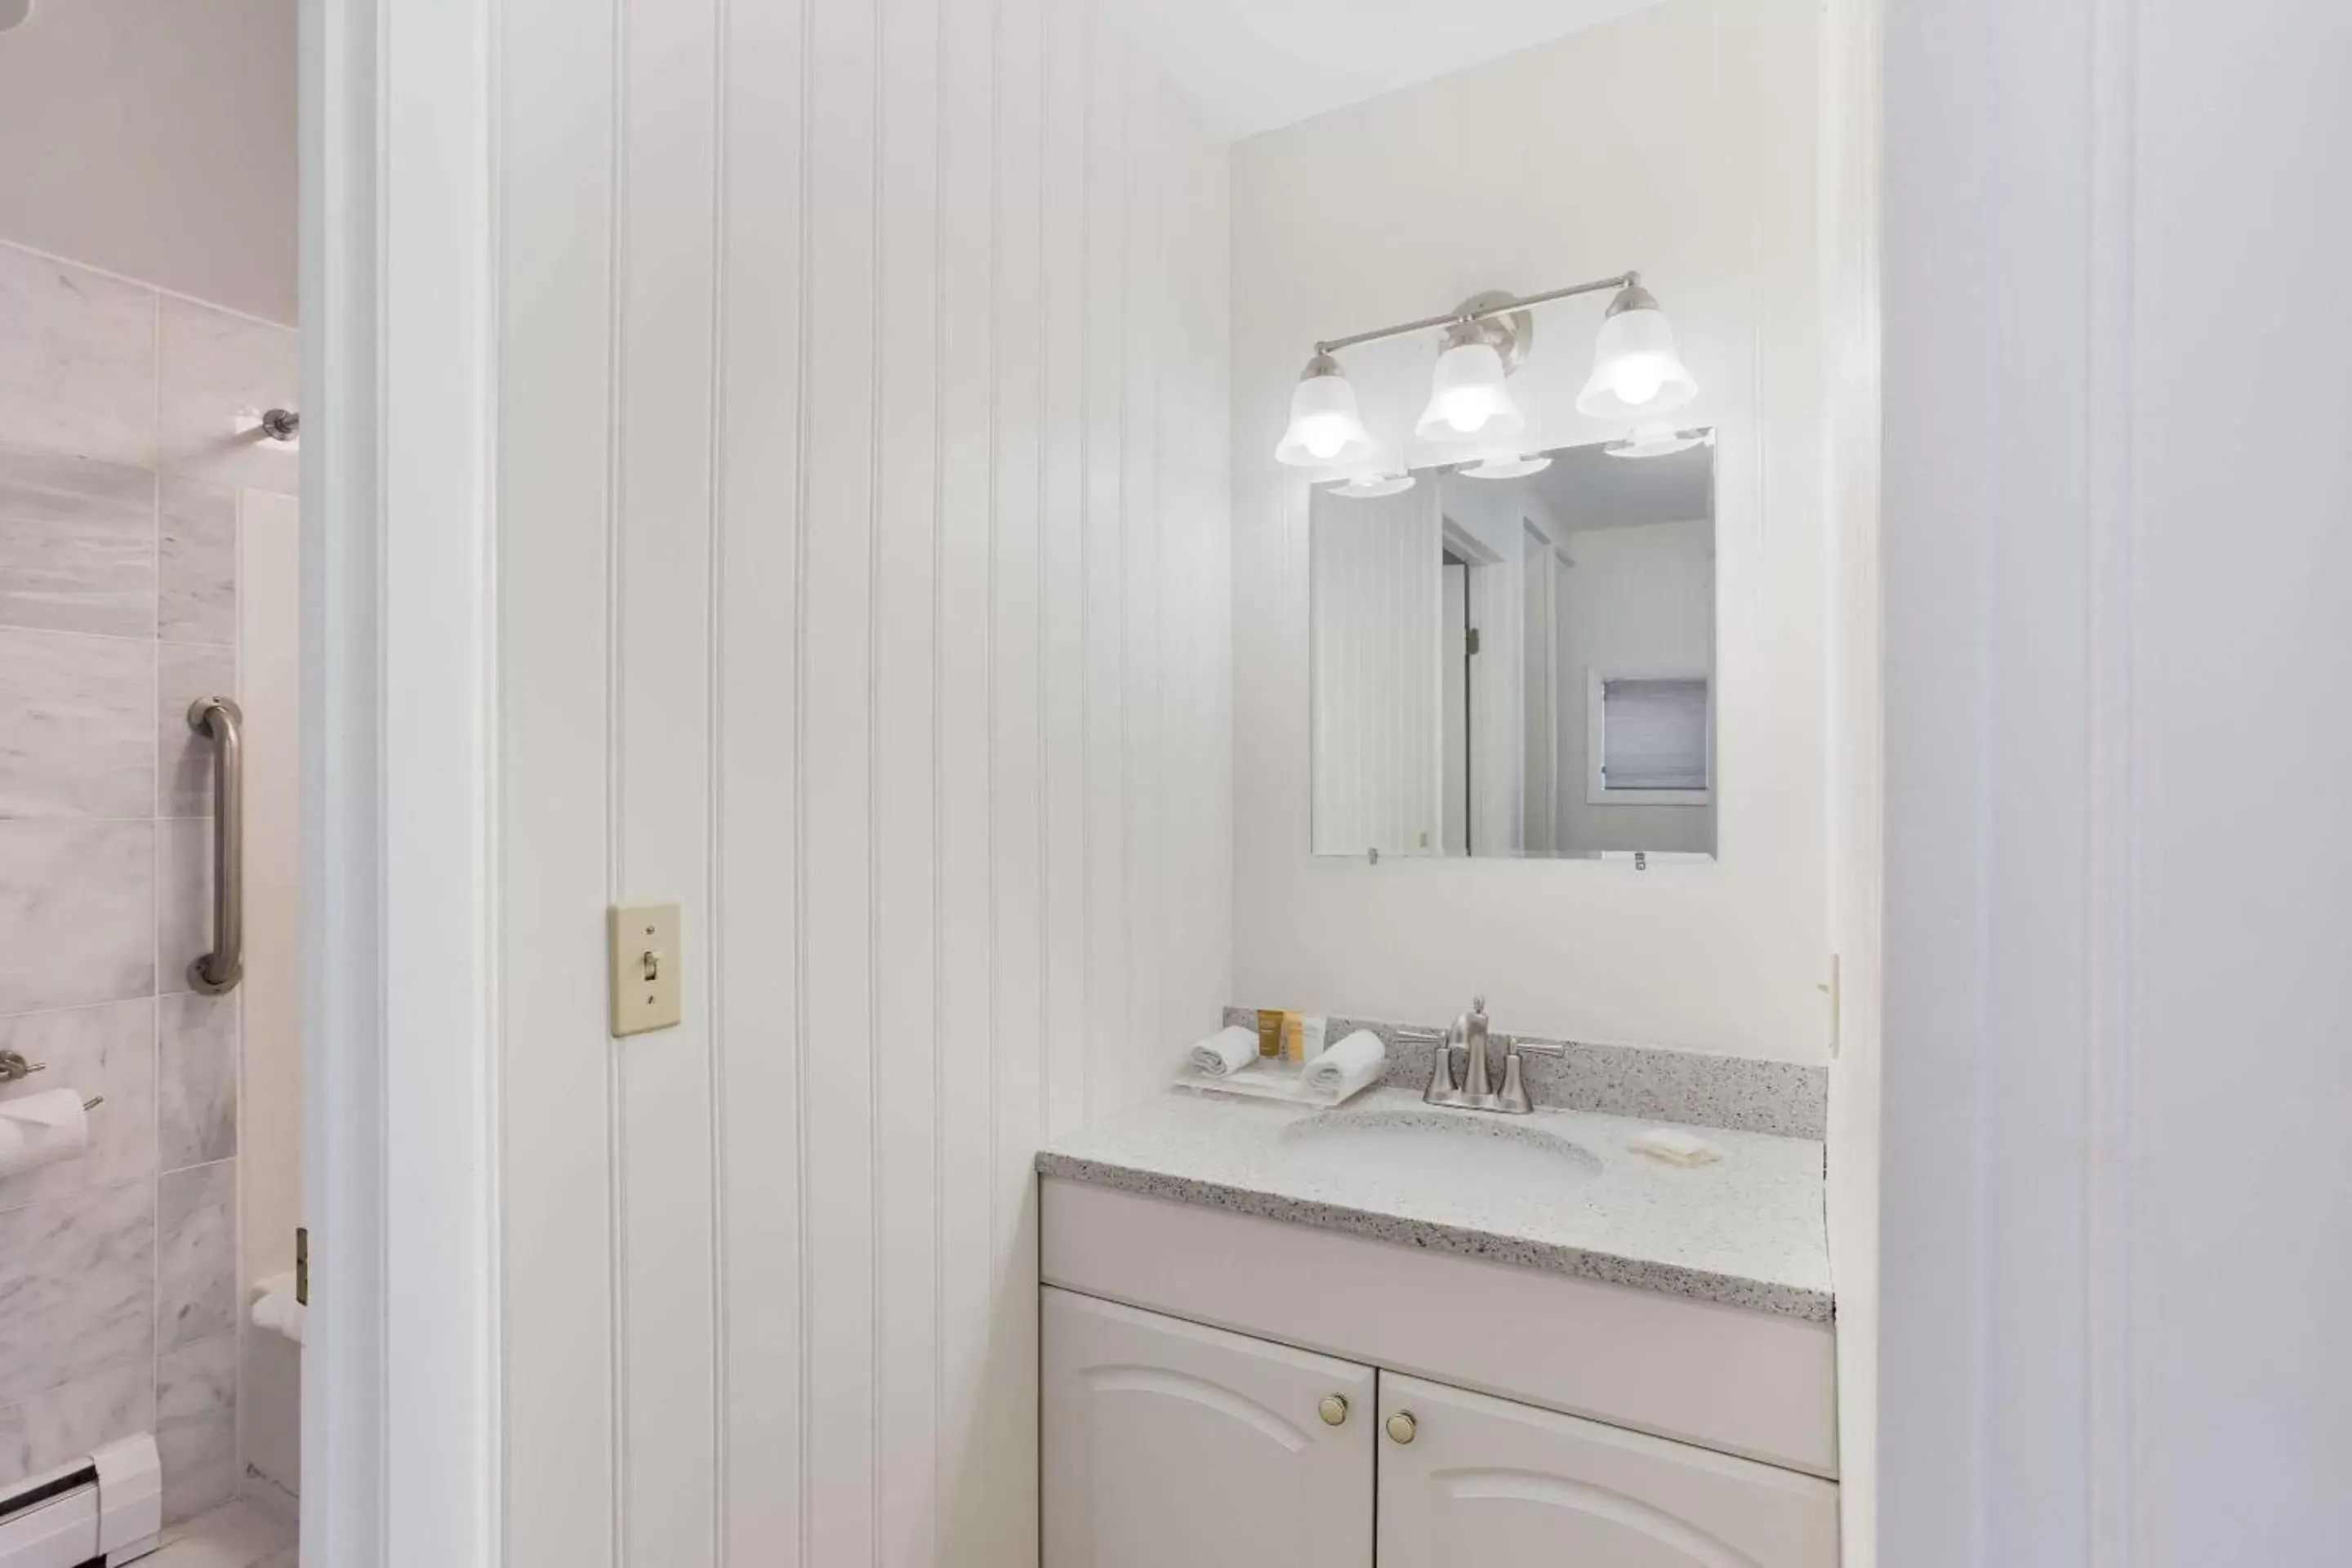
1292	1038
1312	1035
1269	1032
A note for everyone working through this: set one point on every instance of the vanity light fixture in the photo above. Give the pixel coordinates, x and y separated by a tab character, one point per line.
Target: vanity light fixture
1373	487
1635	370
1657	441
1325	428
1508	468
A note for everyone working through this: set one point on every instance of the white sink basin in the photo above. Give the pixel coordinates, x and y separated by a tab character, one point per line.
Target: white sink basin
1468	1152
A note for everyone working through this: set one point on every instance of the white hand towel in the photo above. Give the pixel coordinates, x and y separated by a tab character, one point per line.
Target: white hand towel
275	1307
1226	1052
1347	1066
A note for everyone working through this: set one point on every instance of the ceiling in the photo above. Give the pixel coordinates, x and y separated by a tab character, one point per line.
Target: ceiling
1249	66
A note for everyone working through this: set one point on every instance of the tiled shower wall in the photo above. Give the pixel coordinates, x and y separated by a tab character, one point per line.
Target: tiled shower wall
123	496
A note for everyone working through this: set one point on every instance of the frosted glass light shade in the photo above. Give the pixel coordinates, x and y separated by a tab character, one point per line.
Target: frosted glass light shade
1636	370
1325	428
1467	399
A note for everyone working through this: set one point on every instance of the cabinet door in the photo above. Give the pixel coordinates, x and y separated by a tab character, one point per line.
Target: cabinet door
1503	1485
1171	1446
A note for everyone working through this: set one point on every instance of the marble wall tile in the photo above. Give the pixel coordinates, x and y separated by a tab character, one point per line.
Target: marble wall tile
211	367
195	1079
77	741
107	1050
185	671
77	360
46	1429
77	543
196	568
77	914
79	1293
183	917
195	1253
196	1425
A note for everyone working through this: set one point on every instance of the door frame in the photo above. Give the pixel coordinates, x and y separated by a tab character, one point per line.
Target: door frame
399	1402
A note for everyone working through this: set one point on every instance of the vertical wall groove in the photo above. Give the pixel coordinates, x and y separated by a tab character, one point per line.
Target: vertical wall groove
714	963
617	377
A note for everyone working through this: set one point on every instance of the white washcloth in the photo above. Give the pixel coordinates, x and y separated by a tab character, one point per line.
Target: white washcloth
1347	1066
275	1307
1226	1052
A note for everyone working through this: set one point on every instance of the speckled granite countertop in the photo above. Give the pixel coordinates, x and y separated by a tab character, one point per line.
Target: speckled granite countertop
1746	1231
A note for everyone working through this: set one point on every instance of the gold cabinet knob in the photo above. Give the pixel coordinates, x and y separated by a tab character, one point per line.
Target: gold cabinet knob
1334	1409
1402	1426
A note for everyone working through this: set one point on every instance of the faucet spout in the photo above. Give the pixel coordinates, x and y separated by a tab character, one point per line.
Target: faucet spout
1477	1089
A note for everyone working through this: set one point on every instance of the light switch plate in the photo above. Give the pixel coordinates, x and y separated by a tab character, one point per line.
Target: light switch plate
647	971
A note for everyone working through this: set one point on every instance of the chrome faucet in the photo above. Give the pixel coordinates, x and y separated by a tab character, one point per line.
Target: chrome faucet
1469	1034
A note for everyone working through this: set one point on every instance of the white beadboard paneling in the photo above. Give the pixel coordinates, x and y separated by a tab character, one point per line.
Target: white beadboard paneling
554	497
1375	627
907	791
661	773
966	887
758	887
880	399
1102	628
836	719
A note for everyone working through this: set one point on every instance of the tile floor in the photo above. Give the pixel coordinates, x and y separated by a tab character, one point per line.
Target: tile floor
237	1535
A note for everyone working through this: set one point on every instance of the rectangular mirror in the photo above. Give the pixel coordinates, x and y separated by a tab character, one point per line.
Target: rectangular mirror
1519	666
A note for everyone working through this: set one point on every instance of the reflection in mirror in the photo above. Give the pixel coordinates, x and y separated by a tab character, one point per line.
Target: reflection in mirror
1519	666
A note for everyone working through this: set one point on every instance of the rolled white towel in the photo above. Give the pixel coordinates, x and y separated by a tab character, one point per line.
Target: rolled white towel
1347	1066
275	1308
1225	1053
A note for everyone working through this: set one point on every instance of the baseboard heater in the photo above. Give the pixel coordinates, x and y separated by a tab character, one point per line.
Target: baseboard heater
103	1509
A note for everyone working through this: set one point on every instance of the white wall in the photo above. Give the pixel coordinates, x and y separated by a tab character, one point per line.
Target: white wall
1679	141
157	139
861	471
2117	1242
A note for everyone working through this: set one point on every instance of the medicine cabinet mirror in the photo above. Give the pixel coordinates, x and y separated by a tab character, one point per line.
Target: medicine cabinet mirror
1517	659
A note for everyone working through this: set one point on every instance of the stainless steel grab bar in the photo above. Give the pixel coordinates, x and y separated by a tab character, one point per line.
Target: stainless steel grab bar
222	721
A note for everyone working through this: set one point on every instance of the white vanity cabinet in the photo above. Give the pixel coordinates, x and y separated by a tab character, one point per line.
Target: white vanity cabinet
1169	1445
1464	1479
1166	1445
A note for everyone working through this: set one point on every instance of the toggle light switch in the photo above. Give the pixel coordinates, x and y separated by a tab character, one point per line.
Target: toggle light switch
645	966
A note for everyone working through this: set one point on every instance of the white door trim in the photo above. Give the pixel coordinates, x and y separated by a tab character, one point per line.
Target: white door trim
400	1385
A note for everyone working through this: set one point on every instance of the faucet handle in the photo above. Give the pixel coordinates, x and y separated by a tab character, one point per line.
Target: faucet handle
1514	1097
